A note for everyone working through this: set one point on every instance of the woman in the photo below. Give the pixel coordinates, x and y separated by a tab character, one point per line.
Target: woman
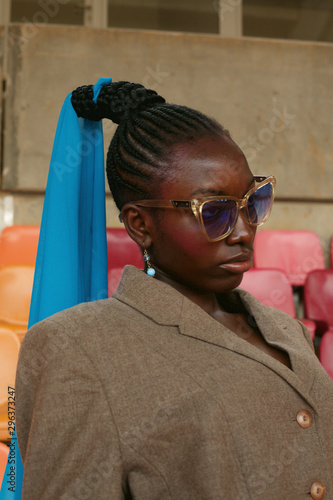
180	386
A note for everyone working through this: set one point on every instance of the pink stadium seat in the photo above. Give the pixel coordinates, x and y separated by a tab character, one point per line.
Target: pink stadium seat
18	245
297	253
318	298
272	288
114	276
326	352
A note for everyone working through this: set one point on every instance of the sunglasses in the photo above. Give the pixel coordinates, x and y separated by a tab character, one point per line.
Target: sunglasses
217	215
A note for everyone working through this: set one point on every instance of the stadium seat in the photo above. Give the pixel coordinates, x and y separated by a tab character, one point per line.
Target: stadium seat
272	288
9	350
114	276
297	253
326	352
332	252
18	245
4	450
318	298
122	250
15	295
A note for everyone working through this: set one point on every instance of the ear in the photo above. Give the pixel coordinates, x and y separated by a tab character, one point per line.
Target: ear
137	222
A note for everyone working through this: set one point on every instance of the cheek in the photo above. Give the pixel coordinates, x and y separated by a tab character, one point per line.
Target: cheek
181	233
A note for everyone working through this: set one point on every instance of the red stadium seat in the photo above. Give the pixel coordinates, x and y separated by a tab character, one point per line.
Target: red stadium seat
332	252
272	288
297	253
122	250
18	245
318	298
326	352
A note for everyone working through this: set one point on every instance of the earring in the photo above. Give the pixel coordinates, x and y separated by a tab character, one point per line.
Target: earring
146	258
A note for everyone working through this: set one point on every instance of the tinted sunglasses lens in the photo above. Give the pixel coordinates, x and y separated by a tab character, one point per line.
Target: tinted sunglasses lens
259	204
218	217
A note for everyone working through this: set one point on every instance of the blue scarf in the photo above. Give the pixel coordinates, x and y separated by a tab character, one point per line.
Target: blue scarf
71	264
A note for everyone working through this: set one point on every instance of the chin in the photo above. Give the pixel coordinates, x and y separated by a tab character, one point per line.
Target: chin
229	284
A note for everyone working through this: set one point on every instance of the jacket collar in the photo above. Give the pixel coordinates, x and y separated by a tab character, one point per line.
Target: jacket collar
166	306
155	299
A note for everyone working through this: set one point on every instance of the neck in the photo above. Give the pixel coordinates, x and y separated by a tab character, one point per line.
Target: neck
206	300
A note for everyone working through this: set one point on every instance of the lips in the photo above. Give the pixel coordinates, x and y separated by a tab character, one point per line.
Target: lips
239	264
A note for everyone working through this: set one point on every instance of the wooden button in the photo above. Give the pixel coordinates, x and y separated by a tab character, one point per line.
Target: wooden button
304	418
318	491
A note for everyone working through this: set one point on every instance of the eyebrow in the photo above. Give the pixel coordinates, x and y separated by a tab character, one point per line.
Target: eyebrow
216	192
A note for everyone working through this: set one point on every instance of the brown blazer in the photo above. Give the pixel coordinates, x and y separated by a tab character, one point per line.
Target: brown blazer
146	396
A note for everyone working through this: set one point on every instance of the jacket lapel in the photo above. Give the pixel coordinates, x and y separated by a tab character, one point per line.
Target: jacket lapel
198	324
166	306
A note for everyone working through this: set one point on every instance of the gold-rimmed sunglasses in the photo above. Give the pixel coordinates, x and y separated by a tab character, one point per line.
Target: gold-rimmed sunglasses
217	215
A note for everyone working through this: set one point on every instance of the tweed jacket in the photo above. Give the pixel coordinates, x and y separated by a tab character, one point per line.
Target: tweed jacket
145	396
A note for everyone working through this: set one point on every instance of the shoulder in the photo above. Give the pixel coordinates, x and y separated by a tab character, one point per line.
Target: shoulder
80	326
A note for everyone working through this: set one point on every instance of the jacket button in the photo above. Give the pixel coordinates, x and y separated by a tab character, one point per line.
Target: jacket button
304	418
318	491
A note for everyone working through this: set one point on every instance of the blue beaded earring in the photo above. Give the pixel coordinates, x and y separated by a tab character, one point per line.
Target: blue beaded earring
146	258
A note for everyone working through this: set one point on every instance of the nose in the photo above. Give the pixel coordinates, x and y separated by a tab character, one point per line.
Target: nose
243	232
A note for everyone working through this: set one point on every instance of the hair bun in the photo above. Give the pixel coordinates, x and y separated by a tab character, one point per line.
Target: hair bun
83	104
116	101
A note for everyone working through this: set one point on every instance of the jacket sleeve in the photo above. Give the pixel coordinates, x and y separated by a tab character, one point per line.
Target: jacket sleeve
66	433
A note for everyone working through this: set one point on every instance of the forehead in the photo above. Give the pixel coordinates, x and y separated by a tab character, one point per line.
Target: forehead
207	167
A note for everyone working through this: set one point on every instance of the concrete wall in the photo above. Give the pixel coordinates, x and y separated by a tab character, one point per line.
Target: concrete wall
1	67
274	96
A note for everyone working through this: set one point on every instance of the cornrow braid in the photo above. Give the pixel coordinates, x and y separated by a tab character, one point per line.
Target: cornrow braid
148	127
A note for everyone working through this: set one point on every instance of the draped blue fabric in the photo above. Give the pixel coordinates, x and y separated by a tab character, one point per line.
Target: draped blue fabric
71	264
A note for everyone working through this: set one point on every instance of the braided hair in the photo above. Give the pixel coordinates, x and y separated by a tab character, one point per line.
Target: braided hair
140	151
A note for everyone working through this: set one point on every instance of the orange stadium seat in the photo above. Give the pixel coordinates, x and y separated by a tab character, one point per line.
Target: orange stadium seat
18	245
272	288
9	350
15	295
297	253
4	450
